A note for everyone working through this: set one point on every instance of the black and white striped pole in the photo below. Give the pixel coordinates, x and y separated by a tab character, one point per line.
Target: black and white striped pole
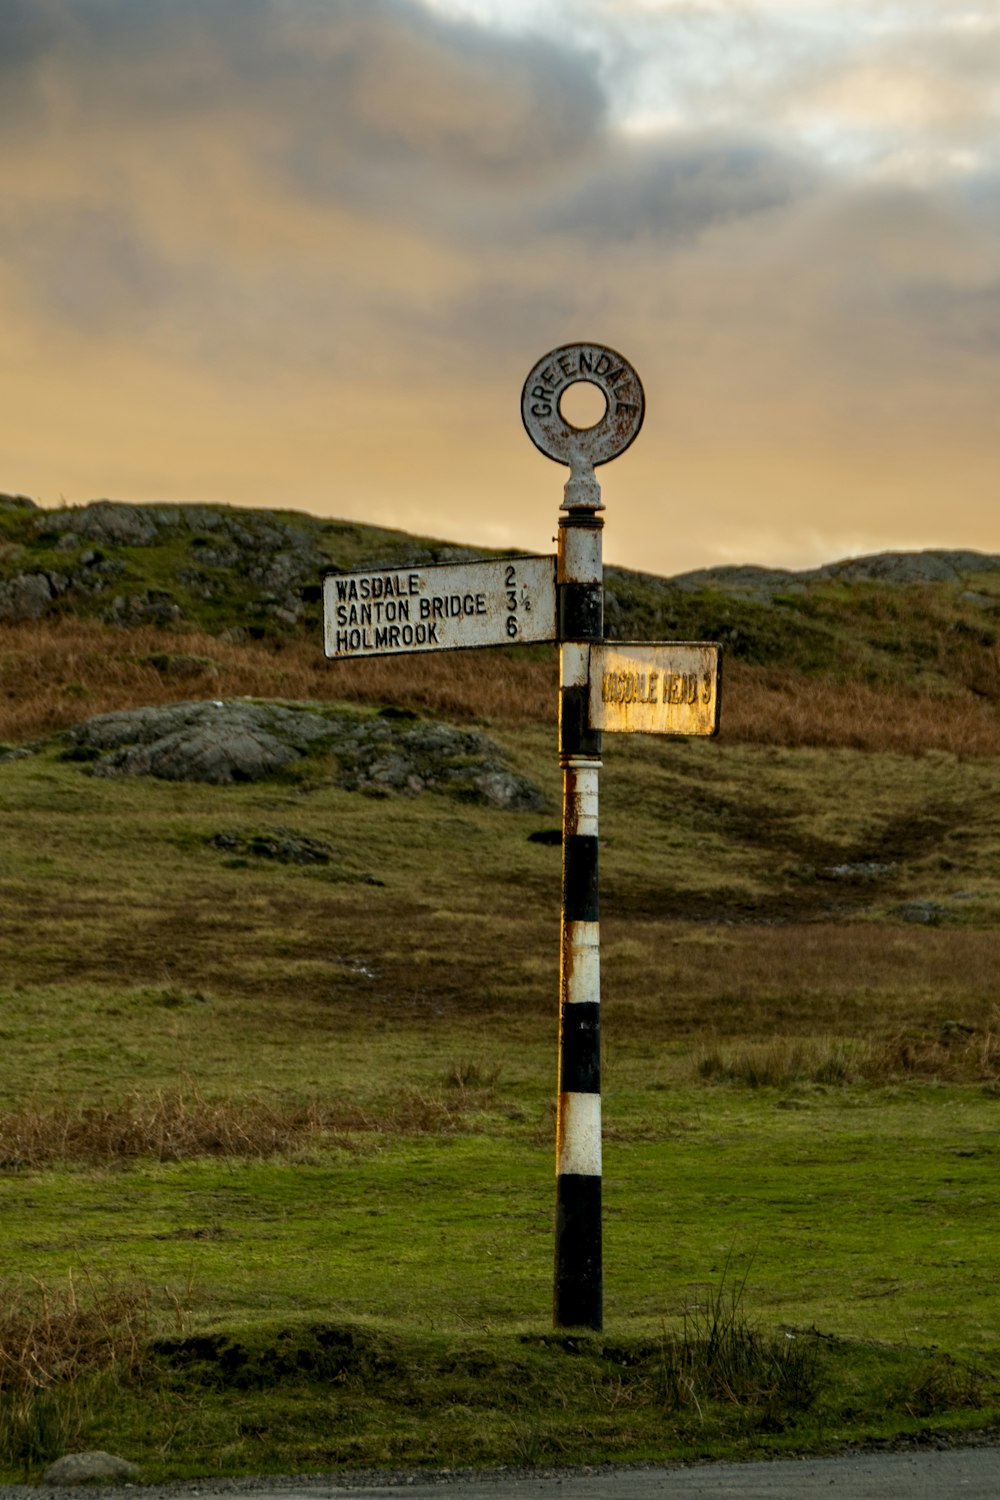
630	687
578	1291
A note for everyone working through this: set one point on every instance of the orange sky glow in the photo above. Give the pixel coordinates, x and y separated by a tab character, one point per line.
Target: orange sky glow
302	253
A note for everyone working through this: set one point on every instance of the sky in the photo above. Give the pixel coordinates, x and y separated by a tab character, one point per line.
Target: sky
303	254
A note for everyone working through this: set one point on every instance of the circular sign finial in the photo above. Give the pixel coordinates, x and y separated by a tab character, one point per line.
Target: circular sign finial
582	447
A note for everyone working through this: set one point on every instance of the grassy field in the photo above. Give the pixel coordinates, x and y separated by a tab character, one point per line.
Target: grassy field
276	1155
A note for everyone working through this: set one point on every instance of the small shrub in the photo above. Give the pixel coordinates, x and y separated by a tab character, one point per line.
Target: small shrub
473	1073
53	1342
36	1426
720	1355
943	1384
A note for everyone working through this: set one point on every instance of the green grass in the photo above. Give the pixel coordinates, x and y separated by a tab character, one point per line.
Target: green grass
328	1395
422	1271
861	1215
406	1226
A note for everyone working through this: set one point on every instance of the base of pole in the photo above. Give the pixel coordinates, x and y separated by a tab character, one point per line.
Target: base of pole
579	1290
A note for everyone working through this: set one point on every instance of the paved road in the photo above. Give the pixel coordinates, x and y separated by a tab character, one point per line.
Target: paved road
954	1474
970	1473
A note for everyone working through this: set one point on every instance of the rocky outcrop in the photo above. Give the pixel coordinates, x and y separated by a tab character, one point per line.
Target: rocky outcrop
109	521
932	566
274	561
432	756
217	742
252	571
226	742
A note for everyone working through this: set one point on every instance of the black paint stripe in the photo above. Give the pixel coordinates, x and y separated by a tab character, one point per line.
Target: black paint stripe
581	611
578	1281
575	735
580	1048
718	693
581	893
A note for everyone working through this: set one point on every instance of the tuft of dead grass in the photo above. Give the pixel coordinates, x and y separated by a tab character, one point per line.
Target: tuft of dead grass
54	1343
56	1334
958	1054
172	1125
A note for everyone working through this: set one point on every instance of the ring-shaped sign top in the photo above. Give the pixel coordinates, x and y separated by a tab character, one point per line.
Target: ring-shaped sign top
552	376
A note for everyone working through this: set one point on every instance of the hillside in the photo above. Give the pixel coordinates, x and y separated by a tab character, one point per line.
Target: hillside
108	605
280	1037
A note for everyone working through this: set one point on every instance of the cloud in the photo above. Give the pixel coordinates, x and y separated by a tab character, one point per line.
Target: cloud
361	82
272	240
676	188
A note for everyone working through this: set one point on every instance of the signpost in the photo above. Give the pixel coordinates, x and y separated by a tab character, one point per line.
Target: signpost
658	687
390	611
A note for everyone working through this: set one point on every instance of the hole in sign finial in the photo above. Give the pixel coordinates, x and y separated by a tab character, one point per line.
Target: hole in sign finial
583	404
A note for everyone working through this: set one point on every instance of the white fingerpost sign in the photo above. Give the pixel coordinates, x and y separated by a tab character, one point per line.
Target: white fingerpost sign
395	611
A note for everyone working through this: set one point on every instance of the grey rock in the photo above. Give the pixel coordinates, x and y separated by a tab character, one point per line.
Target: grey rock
283	570
929	912
218	758
508	789
468	764
90	1468
152	608
109	521
285	614
215	742
861	870
26	597
17	502
286	846
390	771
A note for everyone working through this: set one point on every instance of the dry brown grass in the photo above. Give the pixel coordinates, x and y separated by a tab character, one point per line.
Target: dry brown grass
54	1342
56	1334
55	673
174	1125
771	706
958	1054
799	981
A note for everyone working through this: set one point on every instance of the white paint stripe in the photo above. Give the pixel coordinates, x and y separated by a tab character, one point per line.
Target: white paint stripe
579	1148
574	664
582	803
581	555
582	942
